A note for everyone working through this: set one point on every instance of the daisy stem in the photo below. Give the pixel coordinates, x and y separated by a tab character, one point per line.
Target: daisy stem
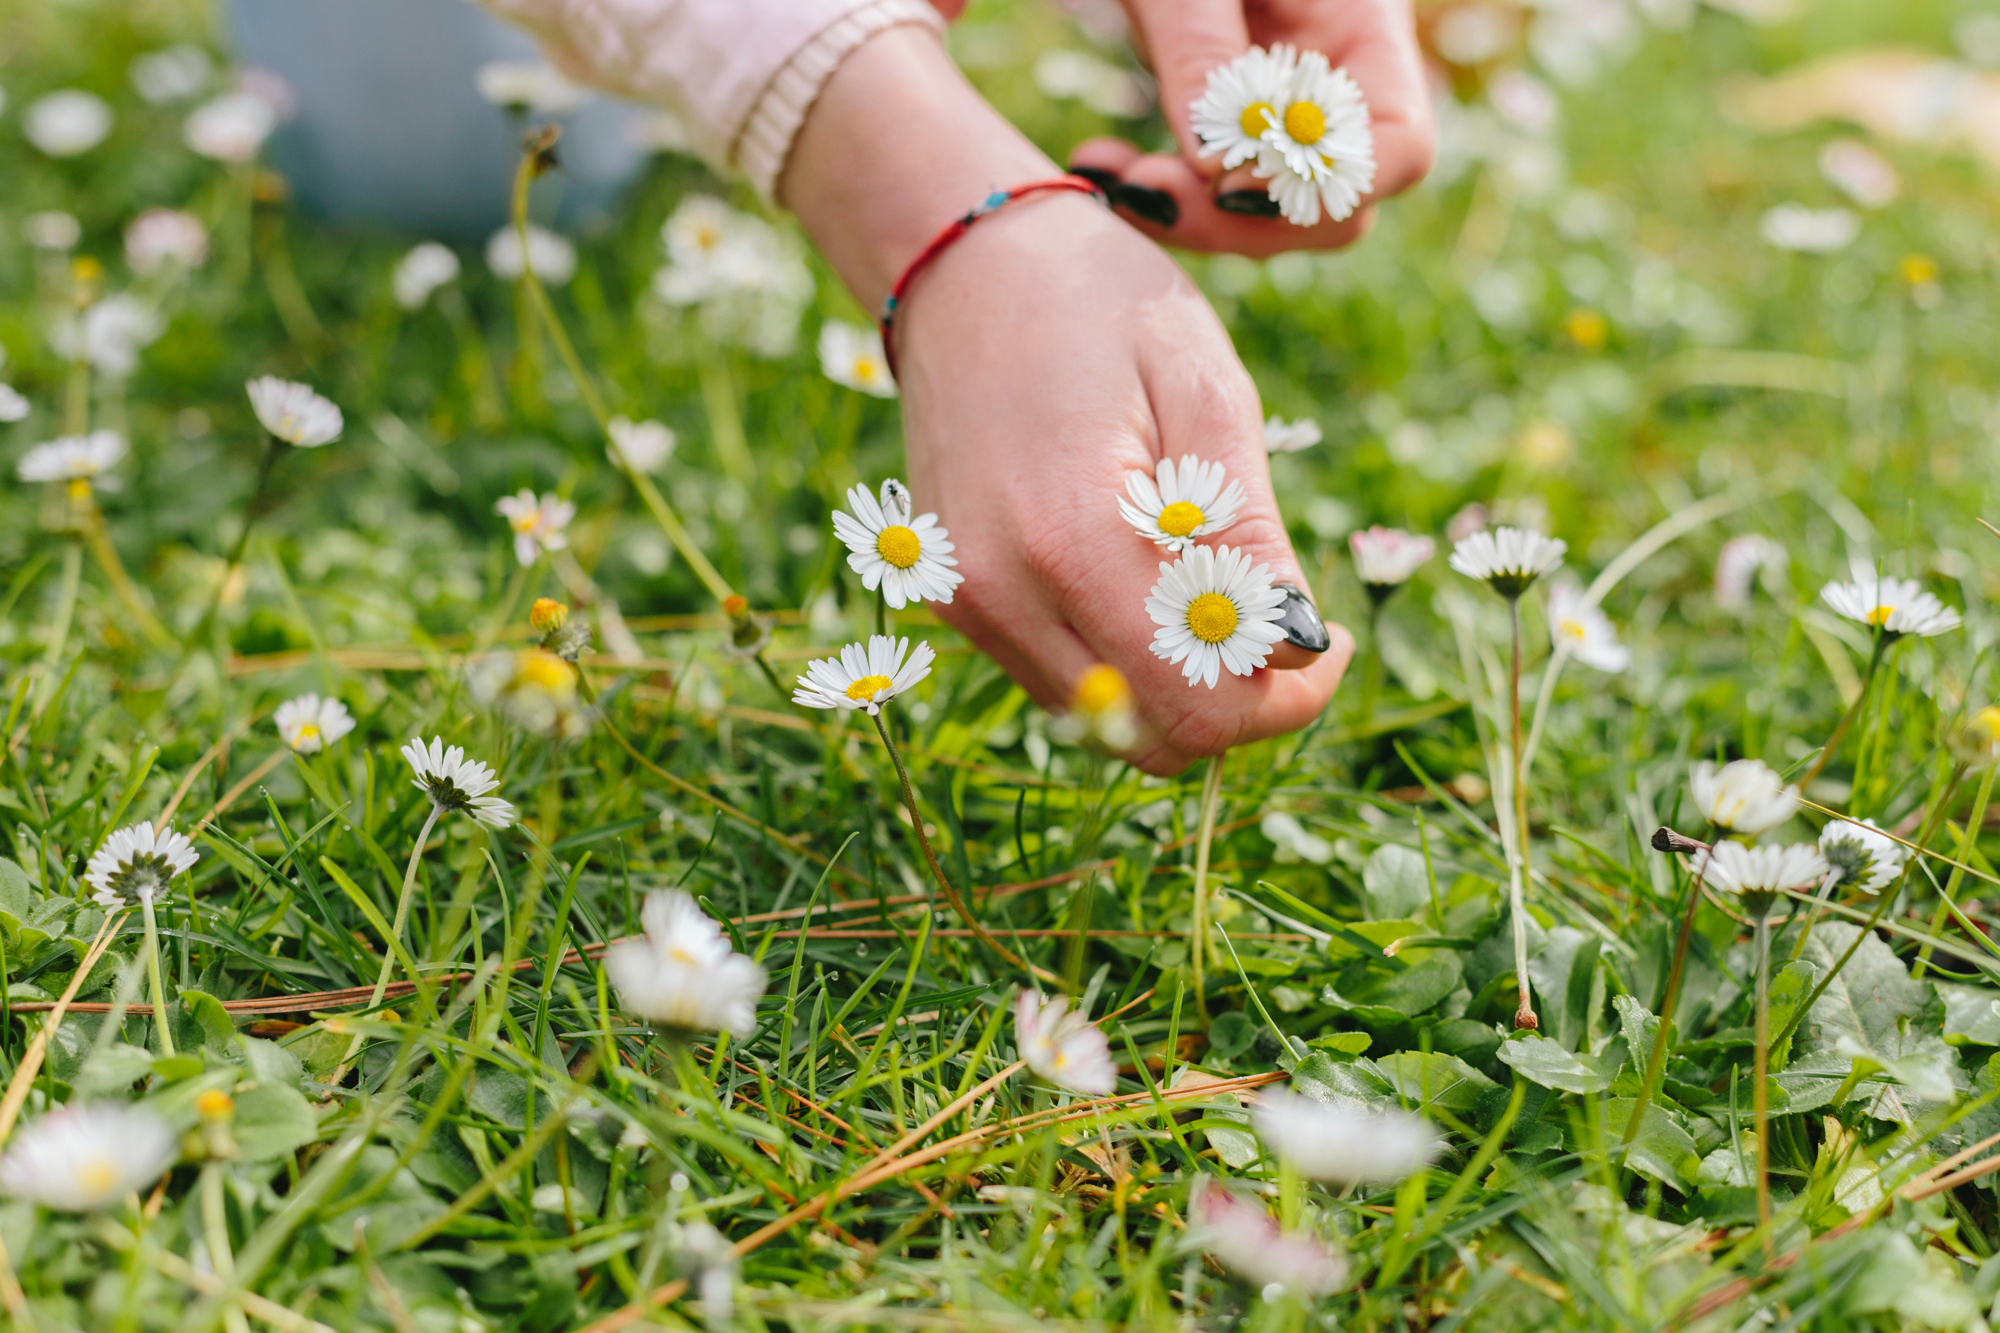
770	675
1524	1016
1759	1094
1847	718
586	388
72	576
984	935
1211	801
161	1023
235	557
1371	666
1657	1061
1818	910
881	612
403	901
1974	823
1557	660
121	582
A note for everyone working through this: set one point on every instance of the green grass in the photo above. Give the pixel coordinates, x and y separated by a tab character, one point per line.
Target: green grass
416	1195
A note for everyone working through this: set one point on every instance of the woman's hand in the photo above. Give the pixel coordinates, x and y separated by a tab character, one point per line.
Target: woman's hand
1046	354
1185	39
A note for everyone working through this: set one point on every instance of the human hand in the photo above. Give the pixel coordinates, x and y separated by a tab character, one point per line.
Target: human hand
1044	356
1374	39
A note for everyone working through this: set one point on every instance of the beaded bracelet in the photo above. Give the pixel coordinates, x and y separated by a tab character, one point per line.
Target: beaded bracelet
991	204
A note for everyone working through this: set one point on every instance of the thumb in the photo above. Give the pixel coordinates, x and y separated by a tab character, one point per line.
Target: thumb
1186	39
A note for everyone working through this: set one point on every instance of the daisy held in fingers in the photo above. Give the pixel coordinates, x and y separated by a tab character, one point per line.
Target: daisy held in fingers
80	1158
906	559
683	975
135	865
1183	501
1303	123
1215	611
1063	1046
309	723
1509	560
1756	876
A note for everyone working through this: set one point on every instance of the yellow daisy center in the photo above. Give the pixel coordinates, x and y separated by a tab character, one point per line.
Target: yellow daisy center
1211	617
1180	518
525	522
865	689
1305	122
97	1175
1571	629
899	546
1101	688
79	489
679	955
1257	118
545	671
864	369
307	732
707	238
1880	616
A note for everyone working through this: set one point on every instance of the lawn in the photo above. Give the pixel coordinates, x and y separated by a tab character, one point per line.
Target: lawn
1705	292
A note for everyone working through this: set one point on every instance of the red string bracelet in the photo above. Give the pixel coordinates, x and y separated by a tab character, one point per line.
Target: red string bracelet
939	243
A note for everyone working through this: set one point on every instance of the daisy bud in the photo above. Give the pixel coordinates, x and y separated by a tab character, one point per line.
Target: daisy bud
548	615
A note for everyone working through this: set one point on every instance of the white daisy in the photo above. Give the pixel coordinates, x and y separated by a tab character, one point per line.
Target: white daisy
73	458
137	863
852	356
749	280
1745	796
910	559
1894	606
1860	854
81	1158
1737	567
1811	231
1508	560
13	407
864	677
309	723
1063	1046
683	974
528	85
232	127
1757	875
1583	630
171	75
1289	437
1385	558
552	257
1247	1240
1215	611
427	267
641	446
293	412
1319	152
539	522
161	238
67	123
1182	501
109	335
52	229
1339	1145
454	782
1239	103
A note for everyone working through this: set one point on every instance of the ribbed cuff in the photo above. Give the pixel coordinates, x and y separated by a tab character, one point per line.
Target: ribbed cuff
766	140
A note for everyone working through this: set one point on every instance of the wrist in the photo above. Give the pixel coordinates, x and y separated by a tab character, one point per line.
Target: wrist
897	145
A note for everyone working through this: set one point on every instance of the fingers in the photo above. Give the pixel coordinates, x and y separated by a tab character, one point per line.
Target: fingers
1202	220
1186	39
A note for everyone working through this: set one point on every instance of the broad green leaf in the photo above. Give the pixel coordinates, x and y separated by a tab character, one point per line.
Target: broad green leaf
1397	883
1971	1014
1340	1043
272	1121
1661	1149
1353	1082
1872	1010
1541	1060
1429	1078
217	1027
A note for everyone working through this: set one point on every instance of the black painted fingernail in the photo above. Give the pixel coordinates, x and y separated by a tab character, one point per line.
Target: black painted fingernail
1247	203
1106	181
1300	621
1150	205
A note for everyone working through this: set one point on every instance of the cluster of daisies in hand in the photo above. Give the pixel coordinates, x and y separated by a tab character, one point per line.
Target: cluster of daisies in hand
1302	124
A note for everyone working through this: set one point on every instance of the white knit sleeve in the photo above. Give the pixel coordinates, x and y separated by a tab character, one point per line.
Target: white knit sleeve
741	74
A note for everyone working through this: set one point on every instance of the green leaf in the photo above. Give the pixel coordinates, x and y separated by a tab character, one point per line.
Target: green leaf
174	1068
17	891
1872	1010
1971	1014
1661	1149
273	1121
1430	1078
1341	1043
1231	1034
115	1068
217	1027
1541	1060
1398	885
1354	1082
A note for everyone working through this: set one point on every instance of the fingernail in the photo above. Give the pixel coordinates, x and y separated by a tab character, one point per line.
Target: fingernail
1154	206
1299	619
1104	180
1247	203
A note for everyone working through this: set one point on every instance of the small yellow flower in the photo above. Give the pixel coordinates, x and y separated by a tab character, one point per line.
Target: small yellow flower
1587	328
548	615
215	1104
1918	269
